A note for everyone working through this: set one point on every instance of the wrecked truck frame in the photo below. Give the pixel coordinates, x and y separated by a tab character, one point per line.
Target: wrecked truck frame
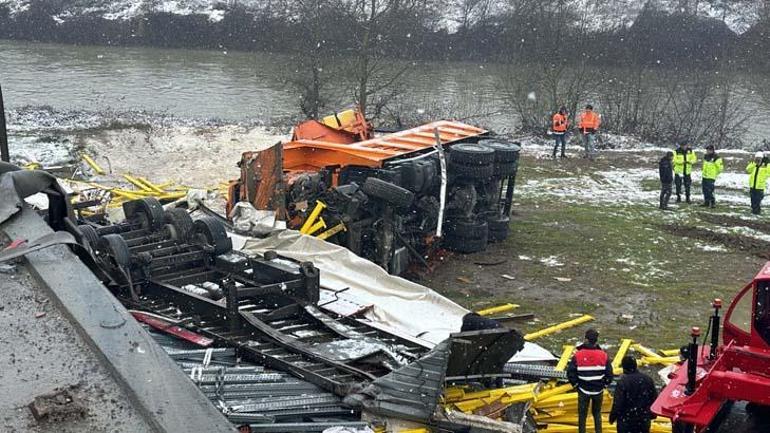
158	262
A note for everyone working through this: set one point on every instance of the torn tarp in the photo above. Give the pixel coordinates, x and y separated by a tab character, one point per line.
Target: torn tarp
353	284
17	184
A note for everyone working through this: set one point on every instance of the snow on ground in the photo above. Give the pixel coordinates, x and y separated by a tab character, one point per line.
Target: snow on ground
190	156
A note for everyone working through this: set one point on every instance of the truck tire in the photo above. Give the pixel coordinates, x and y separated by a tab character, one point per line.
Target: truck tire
471	154
90	236
181	221
148	211
214	234
117	249
463	245
464	229
388	192
480	172
499	228
505	169
505	151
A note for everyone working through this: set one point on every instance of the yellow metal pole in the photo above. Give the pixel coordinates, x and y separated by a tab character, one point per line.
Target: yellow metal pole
560	327
566	354
319	206
496	310
332	231
625	344
670	352
649	353
136	182
150	185
320	225
90	161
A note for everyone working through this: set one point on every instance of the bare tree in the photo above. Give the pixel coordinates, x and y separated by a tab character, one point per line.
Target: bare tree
313	59
381	32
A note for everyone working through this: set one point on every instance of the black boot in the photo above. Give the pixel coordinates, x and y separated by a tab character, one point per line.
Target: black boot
678	198
687	199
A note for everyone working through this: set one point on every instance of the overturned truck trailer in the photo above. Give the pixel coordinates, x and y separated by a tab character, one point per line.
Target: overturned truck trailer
394	198
249	332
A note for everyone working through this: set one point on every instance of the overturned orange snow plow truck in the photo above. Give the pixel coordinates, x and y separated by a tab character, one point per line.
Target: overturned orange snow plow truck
393	198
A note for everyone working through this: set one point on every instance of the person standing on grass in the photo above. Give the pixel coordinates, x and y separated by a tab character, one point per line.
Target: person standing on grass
684	158
590	371
712	166
666	178
634	395
559	125
758	172
588	124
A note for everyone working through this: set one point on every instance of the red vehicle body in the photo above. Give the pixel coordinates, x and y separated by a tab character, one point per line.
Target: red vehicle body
738	369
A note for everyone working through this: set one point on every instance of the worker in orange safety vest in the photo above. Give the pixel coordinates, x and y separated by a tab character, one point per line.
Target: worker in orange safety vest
588	124
559	127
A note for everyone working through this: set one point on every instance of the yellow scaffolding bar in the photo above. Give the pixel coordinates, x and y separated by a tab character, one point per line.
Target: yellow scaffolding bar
560	327
566	355
137	183
309	223
625	344
497	310
90	161
332	231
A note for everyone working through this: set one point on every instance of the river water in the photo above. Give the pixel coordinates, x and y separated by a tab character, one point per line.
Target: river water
83	85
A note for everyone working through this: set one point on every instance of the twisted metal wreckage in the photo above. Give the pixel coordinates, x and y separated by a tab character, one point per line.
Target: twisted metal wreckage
250	331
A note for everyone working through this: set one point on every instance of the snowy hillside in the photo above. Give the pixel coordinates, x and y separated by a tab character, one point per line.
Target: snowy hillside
598	14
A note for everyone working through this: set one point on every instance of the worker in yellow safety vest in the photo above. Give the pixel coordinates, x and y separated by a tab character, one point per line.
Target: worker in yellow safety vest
758	172
684	158
712	166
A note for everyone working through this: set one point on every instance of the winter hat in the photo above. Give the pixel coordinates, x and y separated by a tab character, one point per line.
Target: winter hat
592	336
710	147
759	155
629	364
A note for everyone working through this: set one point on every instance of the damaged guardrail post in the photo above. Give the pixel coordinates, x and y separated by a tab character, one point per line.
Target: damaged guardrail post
4	153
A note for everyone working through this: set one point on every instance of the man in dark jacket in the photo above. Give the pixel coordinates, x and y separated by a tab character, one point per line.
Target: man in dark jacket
590	370
634	395
666	179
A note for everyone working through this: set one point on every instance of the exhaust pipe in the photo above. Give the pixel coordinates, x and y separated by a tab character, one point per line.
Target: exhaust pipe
4	154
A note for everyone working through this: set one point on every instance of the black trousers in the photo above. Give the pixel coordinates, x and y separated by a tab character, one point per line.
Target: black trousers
560	139
708	192
634	426
665	194
756	200
595	402
687	180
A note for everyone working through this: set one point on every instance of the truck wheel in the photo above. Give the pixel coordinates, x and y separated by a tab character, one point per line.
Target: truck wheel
181	221
388	192
467	229
505	169
505	151
117	249
472	171
471	154
148	211
90	236
499	228
465	245
213	233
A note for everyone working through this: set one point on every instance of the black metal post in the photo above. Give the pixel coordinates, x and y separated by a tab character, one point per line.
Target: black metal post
233	313
717	304
4	154
692	361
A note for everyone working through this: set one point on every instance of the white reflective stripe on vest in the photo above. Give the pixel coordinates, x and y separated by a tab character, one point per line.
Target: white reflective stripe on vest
590	392
596	368
591	378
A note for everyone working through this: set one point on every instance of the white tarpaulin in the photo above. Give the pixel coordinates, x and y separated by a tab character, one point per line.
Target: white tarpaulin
392	301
